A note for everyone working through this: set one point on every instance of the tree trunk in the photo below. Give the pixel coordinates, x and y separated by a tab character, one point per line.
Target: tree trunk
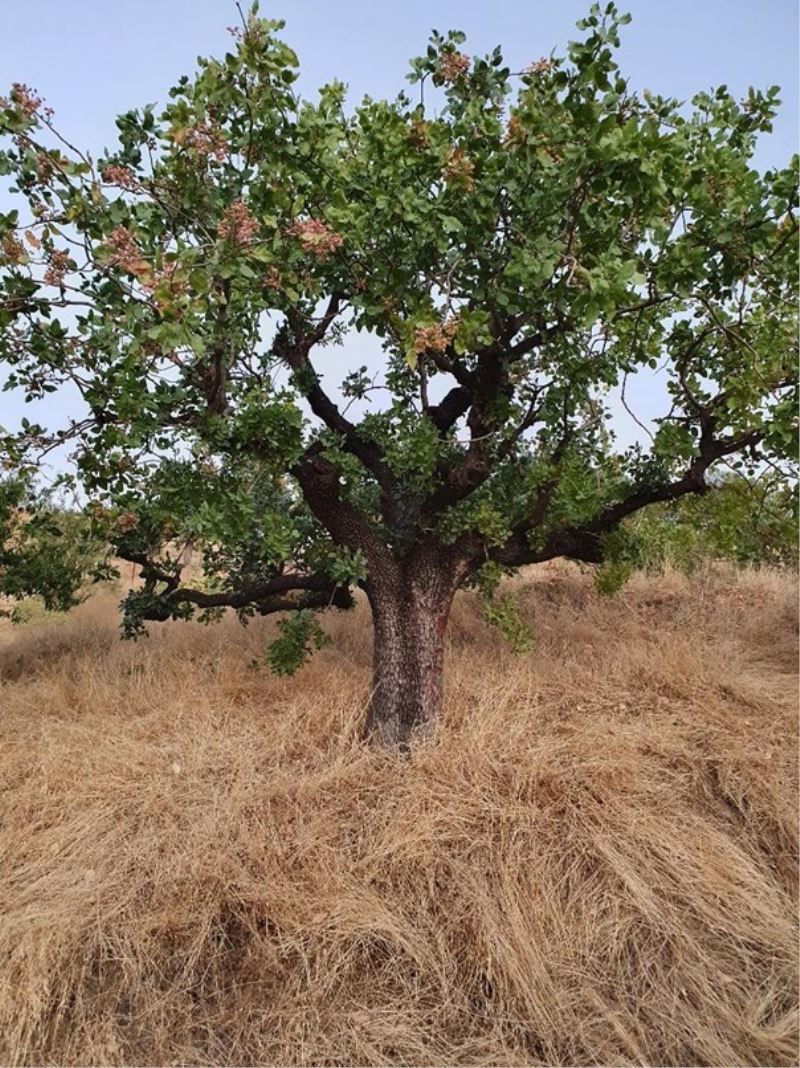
409	613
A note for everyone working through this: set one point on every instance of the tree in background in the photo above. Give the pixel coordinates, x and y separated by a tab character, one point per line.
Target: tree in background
47	551
751	522
520	250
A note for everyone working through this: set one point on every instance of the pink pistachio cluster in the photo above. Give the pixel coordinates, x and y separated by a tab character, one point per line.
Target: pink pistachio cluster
459	169
272	278
252	32
237	224
25	98
125	251
541	66
434	338
166	275
514	131
452	66
207	139
127	521
316	237
418	133
127	255
121	176
57	268
176	287
44	167
13	249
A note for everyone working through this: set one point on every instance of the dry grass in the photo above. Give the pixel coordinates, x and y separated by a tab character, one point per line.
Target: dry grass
593	862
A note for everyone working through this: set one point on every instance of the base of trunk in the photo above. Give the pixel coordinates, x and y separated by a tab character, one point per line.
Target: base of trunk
408	659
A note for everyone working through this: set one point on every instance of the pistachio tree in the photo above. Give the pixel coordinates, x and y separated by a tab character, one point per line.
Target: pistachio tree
519	246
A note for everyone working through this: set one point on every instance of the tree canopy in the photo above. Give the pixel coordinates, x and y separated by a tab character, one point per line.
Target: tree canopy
521	243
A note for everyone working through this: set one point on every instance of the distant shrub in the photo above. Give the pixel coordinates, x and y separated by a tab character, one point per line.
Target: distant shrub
746	522
48	553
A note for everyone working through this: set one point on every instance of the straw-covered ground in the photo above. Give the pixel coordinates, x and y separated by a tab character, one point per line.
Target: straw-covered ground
592	862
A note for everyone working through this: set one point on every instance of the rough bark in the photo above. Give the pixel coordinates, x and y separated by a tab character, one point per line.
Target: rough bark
410	608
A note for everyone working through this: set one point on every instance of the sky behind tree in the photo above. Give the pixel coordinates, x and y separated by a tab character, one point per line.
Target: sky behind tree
92	59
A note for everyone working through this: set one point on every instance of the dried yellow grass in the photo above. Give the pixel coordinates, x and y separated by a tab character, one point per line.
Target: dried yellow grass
592	862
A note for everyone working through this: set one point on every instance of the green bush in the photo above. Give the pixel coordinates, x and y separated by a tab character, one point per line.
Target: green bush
48	553
747	522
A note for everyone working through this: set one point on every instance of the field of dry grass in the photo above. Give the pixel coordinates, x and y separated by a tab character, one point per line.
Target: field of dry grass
592	862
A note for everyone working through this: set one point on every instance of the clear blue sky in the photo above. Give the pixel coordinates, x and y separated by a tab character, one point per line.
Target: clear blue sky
92	59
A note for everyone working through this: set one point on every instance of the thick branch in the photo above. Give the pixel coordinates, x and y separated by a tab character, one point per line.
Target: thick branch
294	349
212	375
584	542
481	395
319	481
449	410
267	594
693	481
315	591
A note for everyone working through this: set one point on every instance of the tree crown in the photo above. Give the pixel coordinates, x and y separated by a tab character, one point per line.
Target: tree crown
521	244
